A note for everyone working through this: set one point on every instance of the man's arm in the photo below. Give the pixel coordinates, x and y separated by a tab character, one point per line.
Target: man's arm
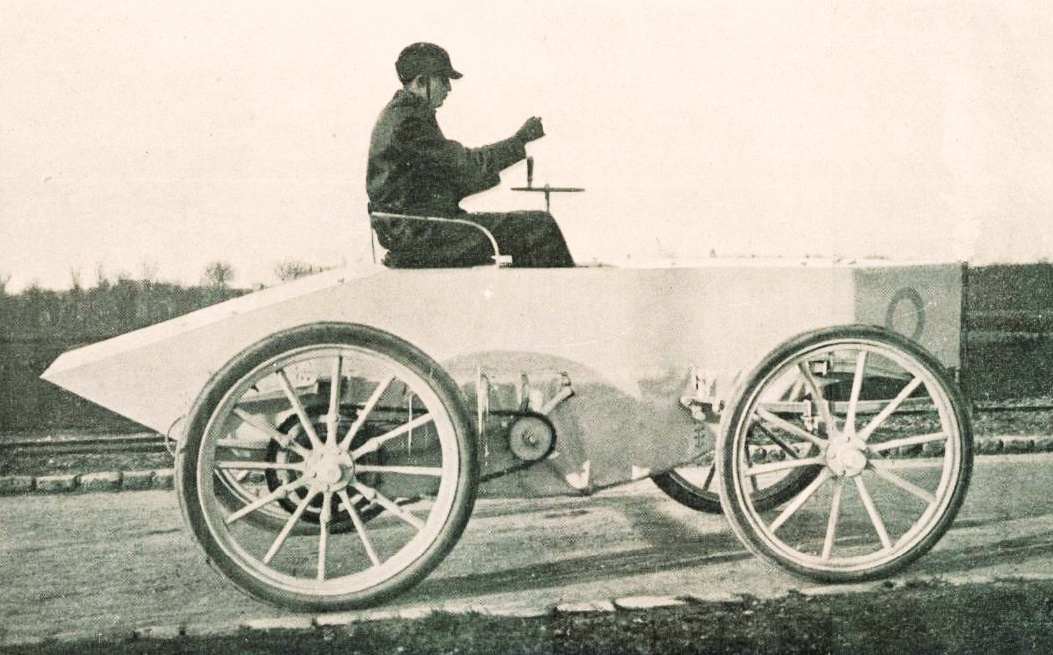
469	170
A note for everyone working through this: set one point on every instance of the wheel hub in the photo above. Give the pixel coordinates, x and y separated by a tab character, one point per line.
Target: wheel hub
847	456
330	468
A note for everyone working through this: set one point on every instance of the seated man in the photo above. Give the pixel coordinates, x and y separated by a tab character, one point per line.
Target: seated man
413	169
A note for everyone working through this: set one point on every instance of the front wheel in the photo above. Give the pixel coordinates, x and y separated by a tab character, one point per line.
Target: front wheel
890	468
356	470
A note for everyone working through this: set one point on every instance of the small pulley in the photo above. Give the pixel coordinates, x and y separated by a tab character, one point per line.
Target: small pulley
531	438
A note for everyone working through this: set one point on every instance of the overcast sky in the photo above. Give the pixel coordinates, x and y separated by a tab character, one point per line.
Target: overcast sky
153	138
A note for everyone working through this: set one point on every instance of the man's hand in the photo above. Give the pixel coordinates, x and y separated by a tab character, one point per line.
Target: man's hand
531	130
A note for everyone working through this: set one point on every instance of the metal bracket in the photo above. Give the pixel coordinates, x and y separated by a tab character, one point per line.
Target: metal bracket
703	402
499	259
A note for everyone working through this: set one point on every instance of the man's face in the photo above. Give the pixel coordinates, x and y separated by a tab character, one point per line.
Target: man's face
439	88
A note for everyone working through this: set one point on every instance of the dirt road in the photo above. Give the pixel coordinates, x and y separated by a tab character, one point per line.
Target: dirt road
108	563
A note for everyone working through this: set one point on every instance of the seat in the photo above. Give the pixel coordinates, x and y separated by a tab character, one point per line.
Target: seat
377	217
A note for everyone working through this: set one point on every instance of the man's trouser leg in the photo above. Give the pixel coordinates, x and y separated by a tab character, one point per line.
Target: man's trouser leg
532	238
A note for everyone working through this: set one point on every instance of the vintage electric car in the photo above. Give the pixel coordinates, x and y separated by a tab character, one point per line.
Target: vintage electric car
333	433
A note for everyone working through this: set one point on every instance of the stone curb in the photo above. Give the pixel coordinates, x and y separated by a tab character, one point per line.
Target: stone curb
628	604
13	485
16	485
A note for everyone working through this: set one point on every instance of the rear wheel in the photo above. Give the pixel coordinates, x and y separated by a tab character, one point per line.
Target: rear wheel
329	466
697	486
694	486
873	506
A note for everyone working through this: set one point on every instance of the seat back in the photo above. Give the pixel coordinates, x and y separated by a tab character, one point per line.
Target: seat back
376	217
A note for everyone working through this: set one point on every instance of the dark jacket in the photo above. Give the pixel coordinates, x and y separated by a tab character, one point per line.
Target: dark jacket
414	169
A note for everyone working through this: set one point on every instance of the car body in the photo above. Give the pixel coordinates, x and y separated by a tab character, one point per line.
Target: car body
333	433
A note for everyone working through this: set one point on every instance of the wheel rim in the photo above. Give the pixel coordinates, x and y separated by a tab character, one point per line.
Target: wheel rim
398	488
873	501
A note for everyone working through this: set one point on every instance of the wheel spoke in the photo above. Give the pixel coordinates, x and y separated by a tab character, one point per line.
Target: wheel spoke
902	483
324	517
433	471
375	443
294	518
269	498
875	518
297	407
367	409
857	386
243	444
800	500
831	526
375	496
908	441
334	403
237	465
795	390
709	477
817	395
273	433
785	447
789	427
878	419
360	527
772	467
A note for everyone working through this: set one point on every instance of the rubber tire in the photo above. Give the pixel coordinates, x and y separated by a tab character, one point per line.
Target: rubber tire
274	346
733	503
689	495
692	496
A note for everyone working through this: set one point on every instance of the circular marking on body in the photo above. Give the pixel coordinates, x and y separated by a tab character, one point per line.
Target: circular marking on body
906	313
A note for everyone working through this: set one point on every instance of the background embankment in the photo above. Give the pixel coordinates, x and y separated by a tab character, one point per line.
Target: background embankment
38	325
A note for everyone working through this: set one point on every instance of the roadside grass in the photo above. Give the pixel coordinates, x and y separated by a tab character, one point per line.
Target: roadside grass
1005	617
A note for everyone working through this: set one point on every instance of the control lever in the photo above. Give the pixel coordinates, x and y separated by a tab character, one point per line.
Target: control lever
547	190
